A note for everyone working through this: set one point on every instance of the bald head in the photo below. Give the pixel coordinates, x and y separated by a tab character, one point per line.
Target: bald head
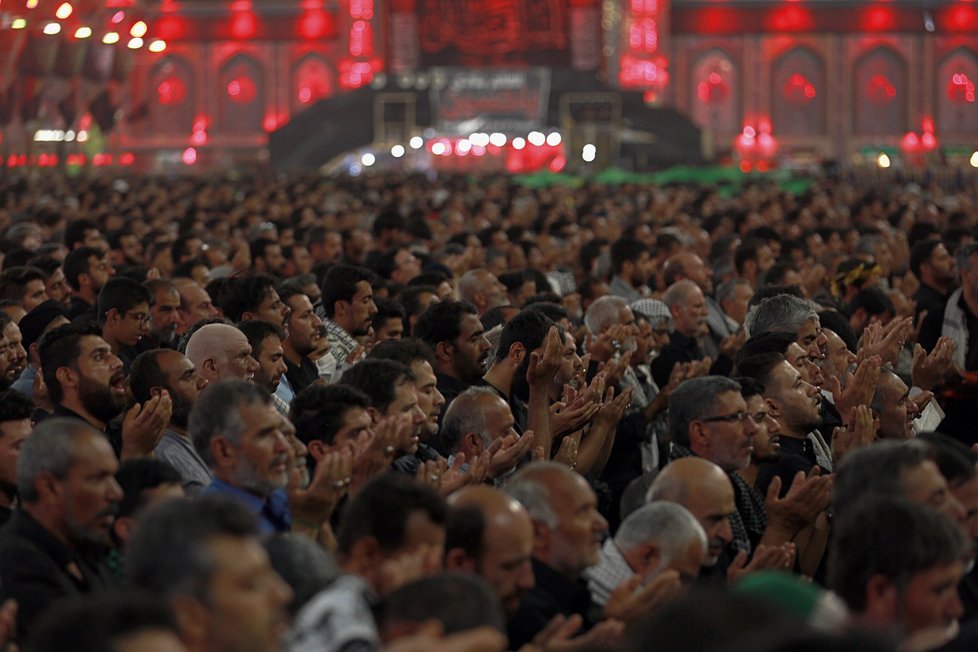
704	489
221	351
491	534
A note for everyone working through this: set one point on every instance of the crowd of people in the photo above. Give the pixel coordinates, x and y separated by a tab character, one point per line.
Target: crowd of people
458	414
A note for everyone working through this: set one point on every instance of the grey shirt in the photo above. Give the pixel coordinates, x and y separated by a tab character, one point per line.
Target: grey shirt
179	451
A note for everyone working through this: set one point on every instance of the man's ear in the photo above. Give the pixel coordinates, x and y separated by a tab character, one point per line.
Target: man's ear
247	315
341	308
112	316
67	377
375	415
47	486
881	599
209	368
457	559
445	351
223	453
516	353
542	537
122	527
699	439
773	407
192	620
317	449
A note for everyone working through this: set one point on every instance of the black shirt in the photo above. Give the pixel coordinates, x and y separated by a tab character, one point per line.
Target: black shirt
34	570
553	594
113	431
796	455
302	375
930	299
684	349
450	388
80	310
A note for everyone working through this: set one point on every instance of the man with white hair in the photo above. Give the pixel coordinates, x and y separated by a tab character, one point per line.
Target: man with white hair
657	537
474	421
482	289
221	351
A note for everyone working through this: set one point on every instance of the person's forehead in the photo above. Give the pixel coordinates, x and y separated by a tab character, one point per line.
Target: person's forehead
423	372
167	295
732	399
271	344
356	416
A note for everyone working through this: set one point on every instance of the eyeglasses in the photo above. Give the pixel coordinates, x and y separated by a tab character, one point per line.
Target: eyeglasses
736	417
140	317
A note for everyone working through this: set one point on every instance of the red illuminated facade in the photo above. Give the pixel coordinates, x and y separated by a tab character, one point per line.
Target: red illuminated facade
762	79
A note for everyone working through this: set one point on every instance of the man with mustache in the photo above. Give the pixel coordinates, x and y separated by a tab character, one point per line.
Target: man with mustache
238	432
454	332
85	380
165	370
68	501
221	351
348	311
164	310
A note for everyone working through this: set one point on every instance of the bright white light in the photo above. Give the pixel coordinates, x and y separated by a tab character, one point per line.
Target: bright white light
883	161
138	29
49	136
589	153
974	159
135	43
368	159
110	38
536	138
417	142
497	139
397	151
69	135
83	32
553	139
18	23
157	46
479	139
52	28
438	148
63	11
463	146
518	143
82	136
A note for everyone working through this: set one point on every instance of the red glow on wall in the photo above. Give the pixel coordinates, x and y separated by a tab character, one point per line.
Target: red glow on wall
880	89
127	159
242	89
170	28
312	88
961	89
878	19
189	156
799	89
100	159
962	18
354	74
641	73
314	24
790	19
714	89
75	159
244	24
644	6
641	65
643	35
361	39
361	9
171	90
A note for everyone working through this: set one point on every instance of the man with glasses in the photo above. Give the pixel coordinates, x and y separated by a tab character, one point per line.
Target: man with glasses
709	418
123	316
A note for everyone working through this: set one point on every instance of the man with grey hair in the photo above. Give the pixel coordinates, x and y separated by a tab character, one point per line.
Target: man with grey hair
657	537
475	420
786	313
482	289
733	296
68	502
238	432
221	351
689	313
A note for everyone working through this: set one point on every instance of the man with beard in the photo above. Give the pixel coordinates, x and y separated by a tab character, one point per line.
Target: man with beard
195	303
13	357
85	381
86	269
238	432
303	339
348	311
482	289
68	501
164	370
528	357
164	310
893	407
689	314
794	403
254	297
266	348
221	351
15	428
633	265
767	438
454	332
934	266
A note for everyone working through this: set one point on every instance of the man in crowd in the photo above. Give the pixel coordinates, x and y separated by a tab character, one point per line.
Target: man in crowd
86	269
266	346
123	315
304	336
221	351
348	311
934	267
632	265
195	303
164	370
453	331
45	317
164	311
15	428
482	289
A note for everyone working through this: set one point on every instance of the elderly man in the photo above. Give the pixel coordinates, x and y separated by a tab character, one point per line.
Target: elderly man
195	304
475	421
689	313
221	351
238	432
490	534
655	538
483	290
68	500
206	560
568	530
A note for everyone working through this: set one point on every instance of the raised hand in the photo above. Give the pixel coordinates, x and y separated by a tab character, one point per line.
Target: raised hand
507	452
780	557
143	426
543	368
312	506
934	368
630	601
567	453
859	431
807	497
860	386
